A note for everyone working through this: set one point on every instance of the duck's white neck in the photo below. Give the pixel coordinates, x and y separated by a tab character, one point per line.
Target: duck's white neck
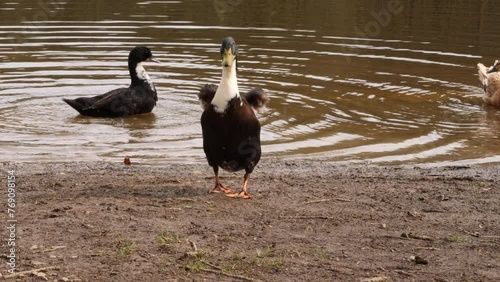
227	90
143	75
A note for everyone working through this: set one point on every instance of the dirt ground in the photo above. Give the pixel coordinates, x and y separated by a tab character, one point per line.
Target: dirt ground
307	221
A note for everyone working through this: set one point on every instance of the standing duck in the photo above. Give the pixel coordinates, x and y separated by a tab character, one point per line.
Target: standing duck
490	77
231	131
140	97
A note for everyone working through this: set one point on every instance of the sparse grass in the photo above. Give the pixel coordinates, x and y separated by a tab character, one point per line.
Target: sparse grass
319	253
167	240
265	253
261	260
227	237
458	238
237	262
196	262
322	254
167	262
269	263
296	253
476	188
266	259
124	246
195	266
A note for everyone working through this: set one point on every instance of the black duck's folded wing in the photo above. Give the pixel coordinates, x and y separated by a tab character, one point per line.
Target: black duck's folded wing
83	103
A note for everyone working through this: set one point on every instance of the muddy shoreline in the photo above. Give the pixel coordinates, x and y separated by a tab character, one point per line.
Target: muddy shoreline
307	221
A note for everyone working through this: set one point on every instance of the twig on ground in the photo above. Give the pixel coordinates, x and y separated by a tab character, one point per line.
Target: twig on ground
416	236
213	266
376	279
307	217
338	269
53	249
490	237
428	248
433	211
232	275
328	200
402	272
195	248
193	245
473	234
33	271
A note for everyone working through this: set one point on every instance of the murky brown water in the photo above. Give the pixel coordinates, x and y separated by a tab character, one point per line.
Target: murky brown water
343	85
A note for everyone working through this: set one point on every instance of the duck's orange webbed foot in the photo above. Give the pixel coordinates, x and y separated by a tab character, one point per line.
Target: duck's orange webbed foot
221	189
242	195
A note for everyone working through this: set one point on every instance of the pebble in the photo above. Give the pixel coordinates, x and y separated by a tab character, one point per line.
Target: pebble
419	260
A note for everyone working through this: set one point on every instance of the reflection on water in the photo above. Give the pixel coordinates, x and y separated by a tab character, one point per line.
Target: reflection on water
349	81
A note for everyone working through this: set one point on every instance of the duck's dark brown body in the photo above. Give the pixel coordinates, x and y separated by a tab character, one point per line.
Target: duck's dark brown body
231	131
231	140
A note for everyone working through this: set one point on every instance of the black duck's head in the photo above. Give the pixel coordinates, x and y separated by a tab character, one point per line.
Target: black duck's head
141	54
228	52
495	67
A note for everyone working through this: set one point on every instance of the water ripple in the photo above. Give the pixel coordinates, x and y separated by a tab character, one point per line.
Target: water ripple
395	98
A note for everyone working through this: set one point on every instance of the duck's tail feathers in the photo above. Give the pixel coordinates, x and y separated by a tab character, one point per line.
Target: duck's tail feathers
257	98
78	104
483	72
206	95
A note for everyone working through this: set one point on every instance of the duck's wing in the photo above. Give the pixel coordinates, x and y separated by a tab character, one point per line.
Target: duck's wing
82	103
107	100
117	102
257	98
206	95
